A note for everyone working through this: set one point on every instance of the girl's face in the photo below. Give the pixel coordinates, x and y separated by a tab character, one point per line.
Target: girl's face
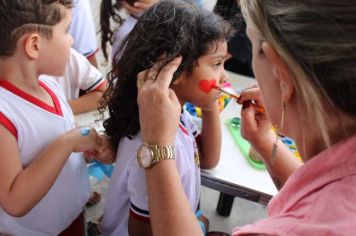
209	67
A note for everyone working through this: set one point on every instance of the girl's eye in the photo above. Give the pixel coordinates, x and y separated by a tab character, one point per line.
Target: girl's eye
218	64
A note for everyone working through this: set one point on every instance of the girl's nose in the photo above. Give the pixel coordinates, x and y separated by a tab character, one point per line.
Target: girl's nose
224	77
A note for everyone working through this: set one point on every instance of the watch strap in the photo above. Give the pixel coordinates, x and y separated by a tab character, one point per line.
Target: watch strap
162	152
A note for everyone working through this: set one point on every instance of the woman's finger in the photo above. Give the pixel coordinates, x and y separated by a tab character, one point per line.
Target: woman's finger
165	75
249	94
141	78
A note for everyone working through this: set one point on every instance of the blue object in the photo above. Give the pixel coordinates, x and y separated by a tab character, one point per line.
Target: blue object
100	170
191	109
84	131
198	213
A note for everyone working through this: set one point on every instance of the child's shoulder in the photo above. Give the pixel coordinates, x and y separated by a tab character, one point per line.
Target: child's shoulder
128	147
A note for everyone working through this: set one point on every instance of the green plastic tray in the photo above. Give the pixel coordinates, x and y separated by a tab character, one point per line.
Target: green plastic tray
243	145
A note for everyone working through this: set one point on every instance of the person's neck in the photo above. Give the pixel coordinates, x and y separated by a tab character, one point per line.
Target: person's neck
20	72
311	142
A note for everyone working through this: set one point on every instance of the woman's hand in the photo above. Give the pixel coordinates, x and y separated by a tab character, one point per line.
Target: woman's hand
159	108
255	126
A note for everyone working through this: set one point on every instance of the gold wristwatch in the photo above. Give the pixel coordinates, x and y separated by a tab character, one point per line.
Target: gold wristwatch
148	155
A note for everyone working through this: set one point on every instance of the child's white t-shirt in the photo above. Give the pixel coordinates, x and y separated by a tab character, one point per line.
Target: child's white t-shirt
36	124
122	32
83	29
79	75
127	193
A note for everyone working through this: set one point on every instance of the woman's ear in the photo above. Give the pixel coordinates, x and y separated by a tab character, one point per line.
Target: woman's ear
32	45
280	70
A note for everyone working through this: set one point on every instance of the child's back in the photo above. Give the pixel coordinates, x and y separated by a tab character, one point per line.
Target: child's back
169	28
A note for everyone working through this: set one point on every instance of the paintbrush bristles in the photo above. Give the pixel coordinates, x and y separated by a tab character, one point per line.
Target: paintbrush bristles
226	92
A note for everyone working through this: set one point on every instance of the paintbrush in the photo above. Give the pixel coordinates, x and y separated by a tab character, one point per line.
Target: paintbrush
258	108
226	92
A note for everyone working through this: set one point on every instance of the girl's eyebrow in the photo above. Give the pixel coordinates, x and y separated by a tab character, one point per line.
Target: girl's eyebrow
217	56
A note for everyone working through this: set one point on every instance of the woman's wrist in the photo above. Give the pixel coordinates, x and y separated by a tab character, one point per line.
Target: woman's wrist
264	142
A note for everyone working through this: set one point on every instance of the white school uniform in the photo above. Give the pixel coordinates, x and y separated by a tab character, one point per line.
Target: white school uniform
36	124
83	29
127	27
122	32
79	75
127	193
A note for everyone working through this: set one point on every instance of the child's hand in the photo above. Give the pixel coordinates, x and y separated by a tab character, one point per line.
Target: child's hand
205	221
104	154
83	139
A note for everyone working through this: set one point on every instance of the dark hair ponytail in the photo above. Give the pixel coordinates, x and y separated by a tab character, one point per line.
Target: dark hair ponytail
108	10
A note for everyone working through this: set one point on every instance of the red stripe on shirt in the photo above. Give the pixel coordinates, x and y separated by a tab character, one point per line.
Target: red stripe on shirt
139	217
183	129
8	124
55	100
100	85
90	55
28	97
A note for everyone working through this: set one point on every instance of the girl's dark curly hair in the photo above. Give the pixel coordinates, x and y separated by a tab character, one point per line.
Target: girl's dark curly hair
169	28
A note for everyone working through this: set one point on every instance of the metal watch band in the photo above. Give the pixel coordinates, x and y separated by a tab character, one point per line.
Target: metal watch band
161	152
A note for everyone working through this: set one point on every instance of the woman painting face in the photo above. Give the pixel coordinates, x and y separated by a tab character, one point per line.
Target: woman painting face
266	76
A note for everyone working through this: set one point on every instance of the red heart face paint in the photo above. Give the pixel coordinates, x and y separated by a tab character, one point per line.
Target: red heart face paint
207	85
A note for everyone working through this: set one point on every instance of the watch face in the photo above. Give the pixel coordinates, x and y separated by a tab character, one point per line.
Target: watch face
144	156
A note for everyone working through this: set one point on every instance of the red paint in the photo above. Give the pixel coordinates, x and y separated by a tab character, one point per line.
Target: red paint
207	85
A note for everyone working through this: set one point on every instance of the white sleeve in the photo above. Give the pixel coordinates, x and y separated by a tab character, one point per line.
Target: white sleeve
83	29
82	74
122	32
136	185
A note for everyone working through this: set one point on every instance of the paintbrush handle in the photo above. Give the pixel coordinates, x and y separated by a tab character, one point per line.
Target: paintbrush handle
259	109
226	92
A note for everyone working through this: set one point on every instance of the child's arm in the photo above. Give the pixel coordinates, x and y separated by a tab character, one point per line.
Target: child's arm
88	101
139	228
209	142
22	187
105	154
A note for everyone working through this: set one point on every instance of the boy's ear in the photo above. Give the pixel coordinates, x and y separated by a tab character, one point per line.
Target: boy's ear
32	45
280	70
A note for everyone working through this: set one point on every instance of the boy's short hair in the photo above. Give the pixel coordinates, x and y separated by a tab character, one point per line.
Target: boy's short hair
18	17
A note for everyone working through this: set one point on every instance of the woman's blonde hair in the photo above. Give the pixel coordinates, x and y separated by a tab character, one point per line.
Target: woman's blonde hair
317	40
